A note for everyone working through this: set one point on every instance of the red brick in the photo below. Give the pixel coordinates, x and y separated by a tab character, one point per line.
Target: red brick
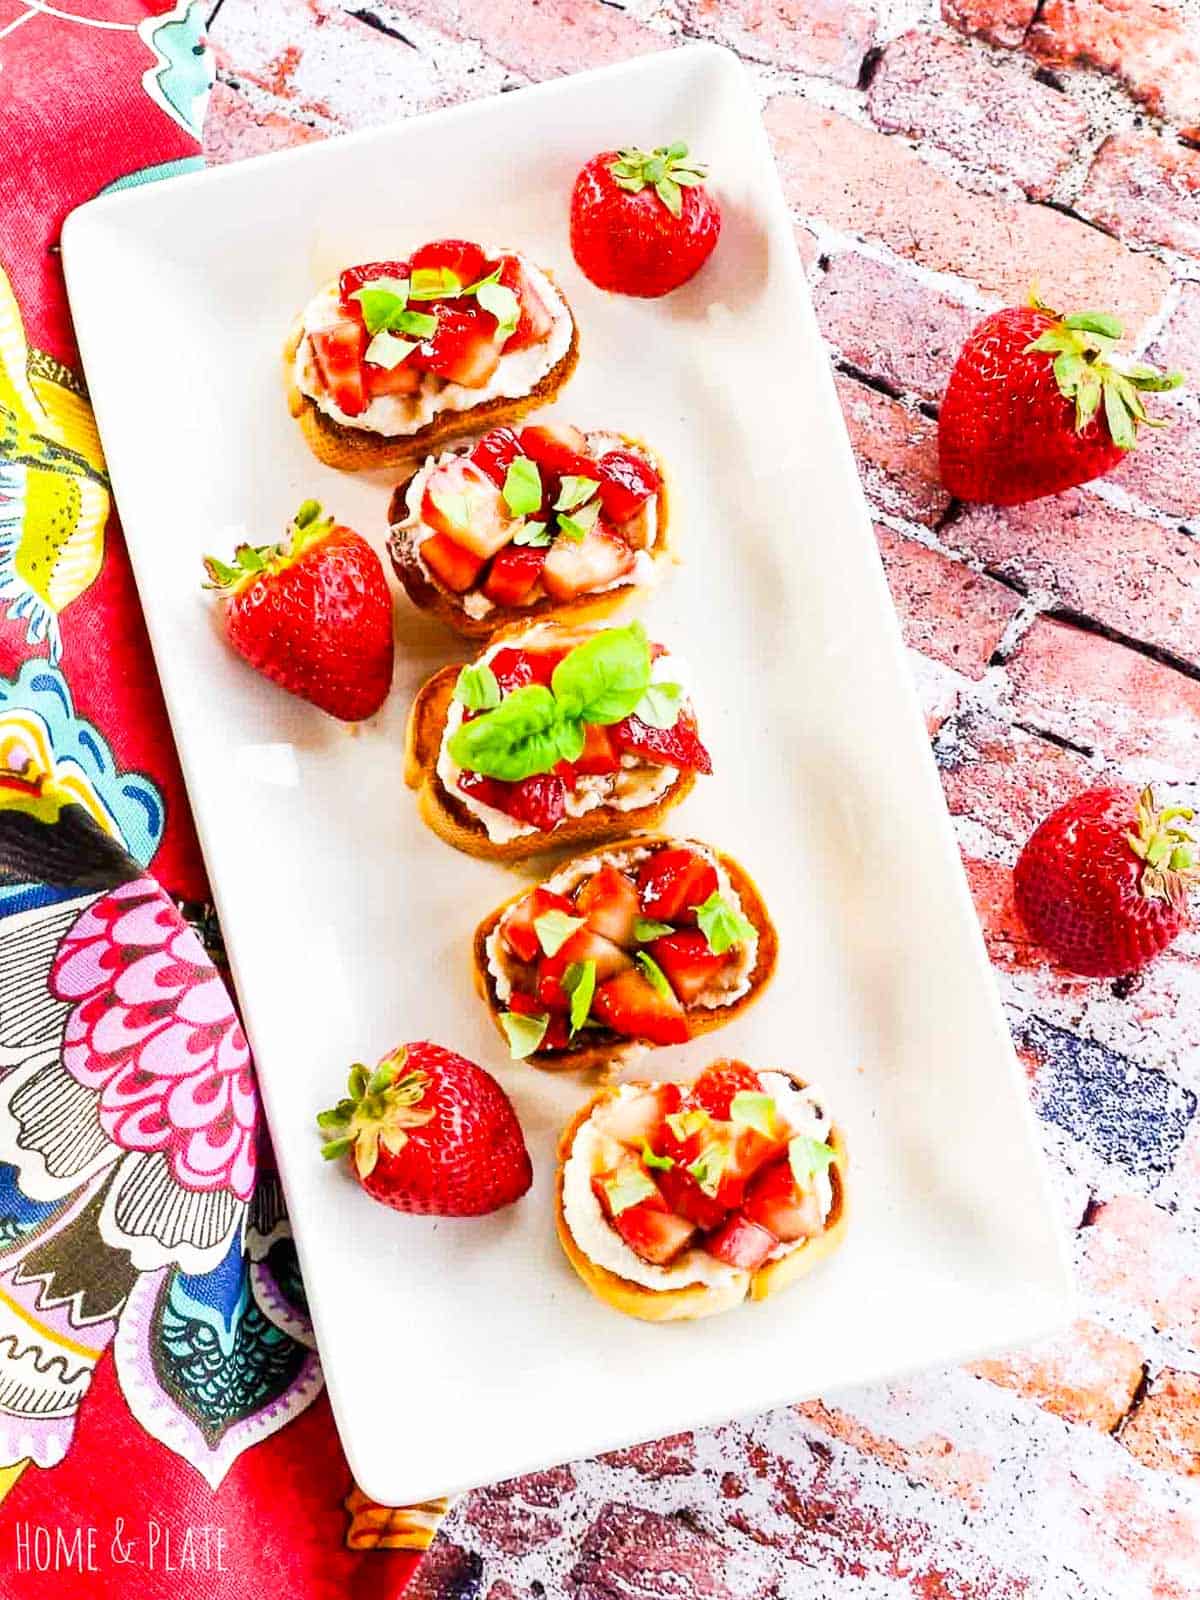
540	38
1087	1374
1137	1255
1164	1431
1078	551
632	1553
988	113
890	325
865	182
1145	187
1008	944
1002	22
1106	697
672	1457
828	38
446	1569
897	453
1150	45
1003	778
234	130
1177	347
1164	470
935	1460
947	611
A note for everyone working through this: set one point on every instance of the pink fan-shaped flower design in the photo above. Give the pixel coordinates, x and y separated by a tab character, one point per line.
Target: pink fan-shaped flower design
151	1029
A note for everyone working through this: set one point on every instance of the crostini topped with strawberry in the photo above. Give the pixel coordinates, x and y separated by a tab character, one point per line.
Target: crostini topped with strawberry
1039	402
529	522
402	350
677	1202
554	735
313	613
648	942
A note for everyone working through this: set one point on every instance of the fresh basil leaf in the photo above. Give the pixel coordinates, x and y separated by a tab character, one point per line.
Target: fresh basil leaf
502	303
574	490
655	974
532	533
683	1124
577	525
477	688
522	487
579	981
381	300
650	1159
807	1157
721	925
385	350
492	277
645	929
419	323
659	706
554	928
524	1033
519	739
628	1188
602	680
709	1168
755	1111
456	508
571	738
434	283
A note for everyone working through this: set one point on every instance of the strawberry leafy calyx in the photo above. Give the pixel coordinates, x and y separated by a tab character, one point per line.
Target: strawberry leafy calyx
1089	373
378	1110
668	169
1166	850
308	527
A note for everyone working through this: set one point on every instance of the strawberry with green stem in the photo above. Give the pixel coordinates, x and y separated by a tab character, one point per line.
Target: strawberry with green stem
642	222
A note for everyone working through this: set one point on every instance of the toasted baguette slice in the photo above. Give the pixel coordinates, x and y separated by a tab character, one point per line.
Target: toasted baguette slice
698	1299
360	450
450	818
426	591
616	1048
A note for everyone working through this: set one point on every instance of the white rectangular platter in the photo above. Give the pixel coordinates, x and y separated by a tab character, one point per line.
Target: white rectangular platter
457	1353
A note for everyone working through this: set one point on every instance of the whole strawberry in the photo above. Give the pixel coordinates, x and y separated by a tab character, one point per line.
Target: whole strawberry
1038	402
313	614
1102	883
642	224
431	1133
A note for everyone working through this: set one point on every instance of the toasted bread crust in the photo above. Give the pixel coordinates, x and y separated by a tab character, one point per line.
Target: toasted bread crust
701	1020
452	821
697	1299
424	590
358	450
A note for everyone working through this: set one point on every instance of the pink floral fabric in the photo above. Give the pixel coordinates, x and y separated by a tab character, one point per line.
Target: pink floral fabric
152	1029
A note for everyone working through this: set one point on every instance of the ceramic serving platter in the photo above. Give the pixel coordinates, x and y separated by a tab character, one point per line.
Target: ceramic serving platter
461	1352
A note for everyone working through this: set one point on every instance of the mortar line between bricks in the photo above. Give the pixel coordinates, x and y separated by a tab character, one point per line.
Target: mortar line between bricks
1058	739
1086	624
1135	1402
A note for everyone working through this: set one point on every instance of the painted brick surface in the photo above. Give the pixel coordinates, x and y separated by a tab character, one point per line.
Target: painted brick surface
1053	646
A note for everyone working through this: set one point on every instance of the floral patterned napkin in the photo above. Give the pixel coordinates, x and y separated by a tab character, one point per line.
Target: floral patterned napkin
162	1424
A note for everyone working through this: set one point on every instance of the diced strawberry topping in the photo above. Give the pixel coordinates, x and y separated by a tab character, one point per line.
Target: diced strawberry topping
517	928
685	1196
461	502
609	901
558	1032
515	668
598	754
688	963
465	348
779	1204
514	575
338	352
535	321
459	256
649	1228
631	1005
495	453
741	1243
627	481
400	379
673	882
667	747
488	791
579	566
716	1086
539	801
448	561
635	1114
558	448
583	945
355	277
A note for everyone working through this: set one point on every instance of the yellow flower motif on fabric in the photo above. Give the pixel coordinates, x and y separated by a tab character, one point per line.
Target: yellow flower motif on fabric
32	780
54	490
